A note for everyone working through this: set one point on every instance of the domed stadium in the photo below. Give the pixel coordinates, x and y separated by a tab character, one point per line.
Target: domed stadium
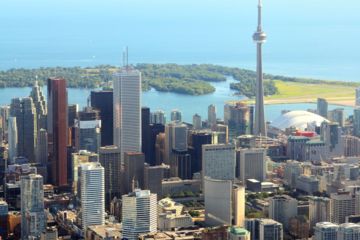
297	119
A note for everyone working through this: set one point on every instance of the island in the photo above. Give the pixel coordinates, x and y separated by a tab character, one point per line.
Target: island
192	79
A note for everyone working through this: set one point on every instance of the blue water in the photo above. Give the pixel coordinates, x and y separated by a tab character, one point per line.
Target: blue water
311	38
188	105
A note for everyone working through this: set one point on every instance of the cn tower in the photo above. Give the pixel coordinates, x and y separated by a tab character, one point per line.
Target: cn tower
259	37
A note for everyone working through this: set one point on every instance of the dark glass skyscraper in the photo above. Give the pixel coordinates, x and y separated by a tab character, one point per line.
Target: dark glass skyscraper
145	133
57	130
103	101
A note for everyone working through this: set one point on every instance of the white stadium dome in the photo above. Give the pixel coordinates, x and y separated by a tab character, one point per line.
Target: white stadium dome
298	119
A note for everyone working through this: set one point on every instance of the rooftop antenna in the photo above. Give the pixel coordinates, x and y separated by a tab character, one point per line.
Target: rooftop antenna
127	58
123	58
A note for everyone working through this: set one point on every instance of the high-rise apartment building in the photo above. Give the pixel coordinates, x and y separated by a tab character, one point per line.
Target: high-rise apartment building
77	159
218	161
282	208
110	159
26	120
264	229
57	130
103	102
325	231
337	115
92	194
237	117
322	107
319	210
292	170
33	220
139	214
127	110
342	205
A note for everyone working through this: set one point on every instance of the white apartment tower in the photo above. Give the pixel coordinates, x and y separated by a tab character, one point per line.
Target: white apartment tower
127	110
139	213
325	231
319	210
33	220
92	194
342	205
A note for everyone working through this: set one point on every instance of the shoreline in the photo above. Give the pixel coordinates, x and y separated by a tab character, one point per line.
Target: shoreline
339	102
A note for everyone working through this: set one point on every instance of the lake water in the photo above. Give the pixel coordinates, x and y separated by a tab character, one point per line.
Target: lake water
311	38
188	105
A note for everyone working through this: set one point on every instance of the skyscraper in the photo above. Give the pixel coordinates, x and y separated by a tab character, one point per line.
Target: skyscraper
139	214
319	210
57	130
88	130
92	194
252	164
218	161
264	229
176	115
197	124
282	208
198	138
33	220
110	159
42	148
26	120
145	133
322	107
357	97
325	231
103	101
356	122
40	105
342	205
237	117
127	111
259	37
12	139
134	170
175	138
211	116
224	202
158	117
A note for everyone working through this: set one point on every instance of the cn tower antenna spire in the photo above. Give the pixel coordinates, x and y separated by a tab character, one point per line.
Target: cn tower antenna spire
259	15
259	38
